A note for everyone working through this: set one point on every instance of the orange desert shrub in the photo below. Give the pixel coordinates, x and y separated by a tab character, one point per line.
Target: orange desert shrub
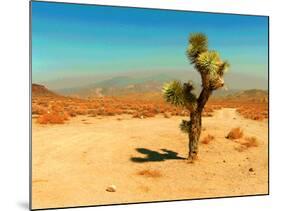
250	142
235	133
56	108
166	115
36	109
150	173
137	115
148	114
207	139
109	112
53	118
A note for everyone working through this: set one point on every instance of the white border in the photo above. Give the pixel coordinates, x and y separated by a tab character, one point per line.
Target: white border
14	85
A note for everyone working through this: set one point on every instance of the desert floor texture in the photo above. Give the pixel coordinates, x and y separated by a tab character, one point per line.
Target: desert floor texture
74	163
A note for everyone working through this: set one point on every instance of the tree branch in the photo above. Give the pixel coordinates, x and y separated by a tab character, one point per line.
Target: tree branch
203	98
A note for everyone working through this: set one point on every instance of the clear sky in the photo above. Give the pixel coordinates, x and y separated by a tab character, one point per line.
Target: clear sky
70	40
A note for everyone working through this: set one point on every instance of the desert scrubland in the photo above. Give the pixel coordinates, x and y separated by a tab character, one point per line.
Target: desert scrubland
80	147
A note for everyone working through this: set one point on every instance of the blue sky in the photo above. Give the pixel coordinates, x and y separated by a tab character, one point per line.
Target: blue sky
70	40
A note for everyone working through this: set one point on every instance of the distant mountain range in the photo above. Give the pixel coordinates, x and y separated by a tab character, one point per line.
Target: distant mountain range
119	86
41	91
252	94
122	85
72	84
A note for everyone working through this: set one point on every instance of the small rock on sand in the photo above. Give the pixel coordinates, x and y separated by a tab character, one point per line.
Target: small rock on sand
111	188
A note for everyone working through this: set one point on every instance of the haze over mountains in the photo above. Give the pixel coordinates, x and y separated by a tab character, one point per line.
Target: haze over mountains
147	82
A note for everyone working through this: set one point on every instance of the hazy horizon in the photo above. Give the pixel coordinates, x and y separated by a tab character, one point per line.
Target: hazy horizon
76	45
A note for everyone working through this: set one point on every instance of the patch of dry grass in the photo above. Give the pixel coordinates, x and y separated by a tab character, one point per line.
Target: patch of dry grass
207	139
138	106
250	142
53	118
150	173
235	133
247	143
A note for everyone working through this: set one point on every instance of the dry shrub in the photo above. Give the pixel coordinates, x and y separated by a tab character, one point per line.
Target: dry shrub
53	118
137	115
250	142
92	112
81	111
128	112
148	114
166	115
240	148
36	109
235	133
71	112
56	108
207	139
150	173
109	112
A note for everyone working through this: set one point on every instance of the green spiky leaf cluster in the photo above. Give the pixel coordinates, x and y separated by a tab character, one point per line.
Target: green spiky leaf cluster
179	94
198	43
173	93
207	62
185	126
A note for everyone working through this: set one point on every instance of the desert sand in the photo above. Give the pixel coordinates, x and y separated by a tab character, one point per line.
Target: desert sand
74	163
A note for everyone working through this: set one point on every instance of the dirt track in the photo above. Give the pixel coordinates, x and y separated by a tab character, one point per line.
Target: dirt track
74	163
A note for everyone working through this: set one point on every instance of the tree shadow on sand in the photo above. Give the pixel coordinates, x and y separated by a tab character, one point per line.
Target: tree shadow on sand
154	156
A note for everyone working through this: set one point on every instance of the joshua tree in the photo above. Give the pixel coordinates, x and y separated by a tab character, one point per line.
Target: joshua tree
211	68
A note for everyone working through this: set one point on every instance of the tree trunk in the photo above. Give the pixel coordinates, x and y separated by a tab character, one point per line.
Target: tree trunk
194	134
195	123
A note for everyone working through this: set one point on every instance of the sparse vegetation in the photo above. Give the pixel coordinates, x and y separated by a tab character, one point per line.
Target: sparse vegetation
235	133
247	143
250	142
150	173
131	105
207	139
53	118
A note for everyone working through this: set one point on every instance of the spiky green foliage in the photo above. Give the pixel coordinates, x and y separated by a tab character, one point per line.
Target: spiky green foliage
185	126
180	94
189	97
208	62
223	68
198	43
173	93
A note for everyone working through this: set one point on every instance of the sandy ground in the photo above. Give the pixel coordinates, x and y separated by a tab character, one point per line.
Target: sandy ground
74	163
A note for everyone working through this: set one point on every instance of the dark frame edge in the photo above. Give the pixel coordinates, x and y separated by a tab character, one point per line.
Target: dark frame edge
268	106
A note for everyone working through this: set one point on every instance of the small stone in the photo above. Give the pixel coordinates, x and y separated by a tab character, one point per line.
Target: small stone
251	170
111	188
224	161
